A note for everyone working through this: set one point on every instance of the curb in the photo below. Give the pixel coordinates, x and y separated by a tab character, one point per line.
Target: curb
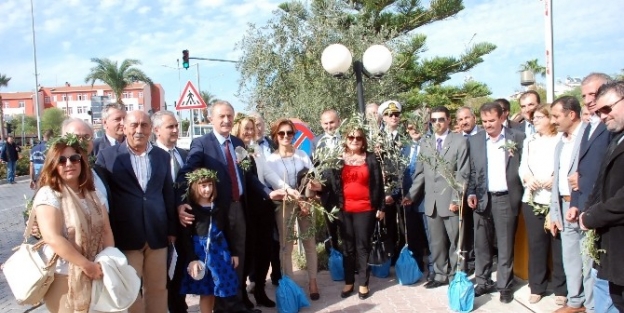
17	179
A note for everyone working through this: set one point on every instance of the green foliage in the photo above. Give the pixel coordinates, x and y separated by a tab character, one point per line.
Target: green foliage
4	81
185	123
576	93
52	118
533	66
118	78
281	69
29	126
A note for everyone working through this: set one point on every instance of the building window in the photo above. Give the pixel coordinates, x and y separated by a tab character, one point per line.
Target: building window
129	107
79	110
127	94
94	94
22	104
111	95
54	98
6	104
64	97
64	110
140	94
140	107
46	99
71	110
70	97
82	96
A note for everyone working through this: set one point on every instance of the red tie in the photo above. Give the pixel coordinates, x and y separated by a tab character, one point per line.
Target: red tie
232	171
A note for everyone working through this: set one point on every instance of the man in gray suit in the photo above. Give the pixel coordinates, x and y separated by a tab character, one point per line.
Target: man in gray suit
444	153
494	193
566	115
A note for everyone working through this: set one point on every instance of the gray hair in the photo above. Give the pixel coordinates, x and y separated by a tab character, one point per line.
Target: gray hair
72	120
368	105
107	108
220	103
469	110
158	117
596	76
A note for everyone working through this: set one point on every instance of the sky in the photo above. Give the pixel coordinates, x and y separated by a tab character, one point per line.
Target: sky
71	32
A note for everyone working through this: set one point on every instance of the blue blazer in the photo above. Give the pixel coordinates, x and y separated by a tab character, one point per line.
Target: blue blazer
206	153
139	217
591	154
419	204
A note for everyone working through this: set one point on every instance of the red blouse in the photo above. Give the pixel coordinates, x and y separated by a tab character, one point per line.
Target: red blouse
356	188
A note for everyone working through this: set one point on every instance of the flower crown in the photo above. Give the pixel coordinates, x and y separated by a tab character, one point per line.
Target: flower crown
70	140
197	175
241	116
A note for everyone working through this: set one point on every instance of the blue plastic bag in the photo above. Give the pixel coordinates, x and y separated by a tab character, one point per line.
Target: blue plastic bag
381	271
406	268
289	297
461	293
336	269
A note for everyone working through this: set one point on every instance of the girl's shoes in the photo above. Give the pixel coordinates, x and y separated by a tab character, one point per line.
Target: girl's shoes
345	294
363	295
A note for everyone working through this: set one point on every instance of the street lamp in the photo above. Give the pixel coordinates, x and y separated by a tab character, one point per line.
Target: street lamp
377	59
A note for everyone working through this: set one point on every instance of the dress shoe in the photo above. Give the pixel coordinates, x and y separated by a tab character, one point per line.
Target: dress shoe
434	284
569	309
506	296
315	296
483	289
364	295
248	304
533	298
261	298
561	300
250	311
346	294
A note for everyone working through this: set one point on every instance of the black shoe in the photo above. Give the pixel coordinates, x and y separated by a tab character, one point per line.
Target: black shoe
346	294
248	304
262	299
506	296
434	284
483	289
363	296
250	311
315	296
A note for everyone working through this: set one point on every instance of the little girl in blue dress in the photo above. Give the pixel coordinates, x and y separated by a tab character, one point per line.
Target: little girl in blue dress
210	271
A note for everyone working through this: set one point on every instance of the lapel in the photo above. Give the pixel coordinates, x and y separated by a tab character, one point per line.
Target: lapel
588	141
509	136
481	145
446	144
217	148
124	158
576	147
618	150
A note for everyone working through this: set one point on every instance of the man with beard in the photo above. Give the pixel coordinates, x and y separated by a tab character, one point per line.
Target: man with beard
495	194
112	121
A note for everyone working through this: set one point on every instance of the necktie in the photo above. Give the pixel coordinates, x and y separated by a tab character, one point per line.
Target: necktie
466	135
176	164
232	171
412	165
439	145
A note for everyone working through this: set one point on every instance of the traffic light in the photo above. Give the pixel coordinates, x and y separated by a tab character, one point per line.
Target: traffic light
185	59
9	128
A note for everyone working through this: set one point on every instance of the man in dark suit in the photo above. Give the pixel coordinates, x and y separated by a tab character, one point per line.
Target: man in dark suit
593	147
445	156
10	155
215	151
528	101
266	144
605	215
494	193
142	212
504	103
112	122
165	128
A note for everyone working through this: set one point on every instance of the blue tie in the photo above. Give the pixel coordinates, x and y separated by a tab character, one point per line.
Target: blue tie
439	145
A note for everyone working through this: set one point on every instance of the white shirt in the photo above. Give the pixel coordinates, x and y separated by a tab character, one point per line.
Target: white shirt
529	129
265	147
266	175
101	190
176	154
474	130
496	163
535	150
111	140
141	166
331	141
566	159
594	121
288	167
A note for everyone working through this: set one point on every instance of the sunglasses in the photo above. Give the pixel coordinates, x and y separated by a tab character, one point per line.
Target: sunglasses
85	137
289	133
438	119
73	159
356	138
395	114
605	110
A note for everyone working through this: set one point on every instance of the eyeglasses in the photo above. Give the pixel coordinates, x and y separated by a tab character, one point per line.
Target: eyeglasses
85	137
73	159
356	138
394	114
289	133
438	120
605	110
537	117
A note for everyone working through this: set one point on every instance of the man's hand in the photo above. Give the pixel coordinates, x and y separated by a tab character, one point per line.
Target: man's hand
380	215
33	185
555	227
548	183
581	225
573	181
315	185
235	261
472	201
277	194
171	239
293	193
453	207
183	215
406	201
389	200
572	214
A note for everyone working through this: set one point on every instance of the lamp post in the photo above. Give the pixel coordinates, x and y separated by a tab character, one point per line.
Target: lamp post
337	59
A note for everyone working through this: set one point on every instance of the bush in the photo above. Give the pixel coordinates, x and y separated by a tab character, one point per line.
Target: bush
323	258
23	165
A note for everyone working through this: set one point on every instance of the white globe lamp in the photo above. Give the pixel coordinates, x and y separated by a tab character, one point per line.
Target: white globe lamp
377	60
336	59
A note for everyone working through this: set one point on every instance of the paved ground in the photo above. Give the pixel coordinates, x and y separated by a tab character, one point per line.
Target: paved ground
386	294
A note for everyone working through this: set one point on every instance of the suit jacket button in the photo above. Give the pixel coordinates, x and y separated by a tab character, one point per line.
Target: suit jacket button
144	199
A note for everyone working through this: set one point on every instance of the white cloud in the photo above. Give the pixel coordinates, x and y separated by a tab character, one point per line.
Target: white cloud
144	9
66	45
54	25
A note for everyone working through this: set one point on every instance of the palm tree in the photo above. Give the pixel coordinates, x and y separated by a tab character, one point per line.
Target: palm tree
4	81
117	78
209	99
533	66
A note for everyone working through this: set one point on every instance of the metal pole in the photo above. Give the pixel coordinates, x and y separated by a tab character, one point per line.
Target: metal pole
358	68
32	18
199	90
23	132
550	75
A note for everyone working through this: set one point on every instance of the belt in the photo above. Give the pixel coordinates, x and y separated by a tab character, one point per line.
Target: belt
566	198
499	193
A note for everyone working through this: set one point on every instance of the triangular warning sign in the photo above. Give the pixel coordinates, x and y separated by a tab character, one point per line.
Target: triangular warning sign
190	99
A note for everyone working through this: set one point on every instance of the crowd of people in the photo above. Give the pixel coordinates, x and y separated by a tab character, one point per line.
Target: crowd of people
208	220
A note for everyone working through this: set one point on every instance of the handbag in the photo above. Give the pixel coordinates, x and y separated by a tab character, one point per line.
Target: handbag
28	276
378	254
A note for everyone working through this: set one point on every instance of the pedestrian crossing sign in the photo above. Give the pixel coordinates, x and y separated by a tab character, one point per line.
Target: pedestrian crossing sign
190	99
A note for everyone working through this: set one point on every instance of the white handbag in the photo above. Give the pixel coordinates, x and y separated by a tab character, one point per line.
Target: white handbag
28	276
